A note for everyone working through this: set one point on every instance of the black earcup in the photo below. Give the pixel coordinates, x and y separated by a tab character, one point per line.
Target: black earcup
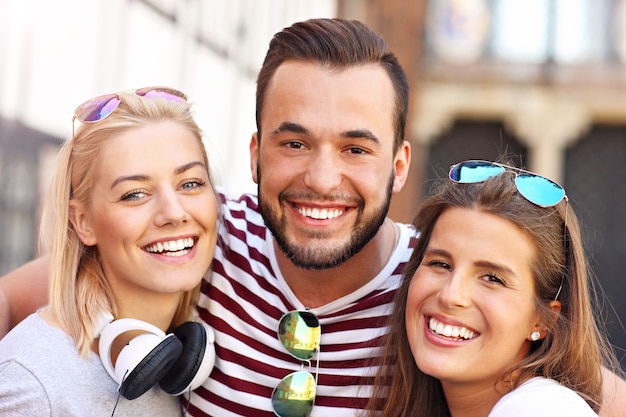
194	343
152	368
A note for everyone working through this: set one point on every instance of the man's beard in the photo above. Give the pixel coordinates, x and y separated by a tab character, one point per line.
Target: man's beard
321	256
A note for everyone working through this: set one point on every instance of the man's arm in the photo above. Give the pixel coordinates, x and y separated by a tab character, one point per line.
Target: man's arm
22	292
614	395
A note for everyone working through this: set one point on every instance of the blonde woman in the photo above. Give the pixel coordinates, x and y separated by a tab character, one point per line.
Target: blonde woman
131	226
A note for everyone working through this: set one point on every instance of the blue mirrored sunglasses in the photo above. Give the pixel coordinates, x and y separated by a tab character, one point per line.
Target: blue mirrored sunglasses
533	187
299	332
101	107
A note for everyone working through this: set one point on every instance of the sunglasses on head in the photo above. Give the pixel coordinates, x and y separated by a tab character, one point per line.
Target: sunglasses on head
101	107
533	187
299	332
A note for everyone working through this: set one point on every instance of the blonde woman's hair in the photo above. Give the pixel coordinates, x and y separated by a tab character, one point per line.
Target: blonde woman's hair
79	290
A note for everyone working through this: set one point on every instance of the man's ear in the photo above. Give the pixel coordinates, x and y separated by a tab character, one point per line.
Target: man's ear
254	156
82	226
401	163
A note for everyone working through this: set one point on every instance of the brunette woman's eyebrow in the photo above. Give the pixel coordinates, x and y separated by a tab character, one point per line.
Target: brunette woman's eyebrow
436	252
503	269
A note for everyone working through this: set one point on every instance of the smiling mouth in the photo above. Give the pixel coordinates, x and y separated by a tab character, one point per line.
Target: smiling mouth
320	214
449	331
179	247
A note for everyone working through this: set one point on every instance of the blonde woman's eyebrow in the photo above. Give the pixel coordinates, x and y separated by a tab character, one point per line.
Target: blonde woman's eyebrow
143	177
122	178
188	166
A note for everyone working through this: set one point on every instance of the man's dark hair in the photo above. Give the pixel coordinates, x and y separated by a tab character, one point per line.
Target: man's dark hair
339	44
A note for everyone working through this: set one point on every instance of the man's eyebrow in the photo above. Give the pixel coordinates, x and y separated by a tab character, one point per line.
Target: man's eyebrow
290	127
361	134
349	134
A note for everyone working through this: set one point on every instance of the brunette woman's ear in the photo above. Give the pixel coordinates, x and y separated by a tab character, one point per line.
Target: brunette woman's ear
80	220
555	306
539	330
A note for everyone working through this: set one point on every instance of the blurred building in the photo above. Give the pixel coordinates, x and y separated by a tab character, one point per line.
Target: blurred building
542	80
55	55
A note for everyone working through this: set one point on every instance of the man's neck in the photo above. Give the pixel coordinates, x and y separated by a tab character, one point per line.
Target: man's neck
315	288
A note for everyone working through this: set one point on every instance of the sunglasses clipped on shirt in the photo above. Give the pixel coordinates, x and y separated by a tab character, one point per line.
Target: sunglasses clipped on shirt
101	107
299	332
539	190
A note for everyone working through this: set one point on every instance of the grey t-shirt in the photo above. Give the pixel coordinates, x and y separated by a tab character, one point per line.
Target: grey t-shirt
42	374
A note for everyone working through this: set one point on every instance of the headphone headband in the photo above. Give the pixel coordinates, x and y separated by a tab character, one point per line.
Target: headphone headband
117	327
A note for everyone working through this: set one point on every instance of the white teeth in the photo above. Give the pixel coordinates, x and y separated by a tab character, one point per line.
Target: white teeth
178	247
449	331
320	214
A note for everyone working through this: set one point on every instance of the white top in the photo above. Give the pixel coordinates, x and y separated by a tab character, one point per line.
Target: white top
542	397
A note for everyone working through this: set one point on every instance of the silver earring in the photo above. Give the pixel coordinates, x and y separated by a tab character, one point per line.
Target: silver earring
534	336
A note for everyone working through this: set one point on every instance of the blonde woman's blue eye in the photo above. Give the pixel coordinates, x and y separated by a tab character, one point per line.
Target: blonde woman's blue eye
133	195
193	184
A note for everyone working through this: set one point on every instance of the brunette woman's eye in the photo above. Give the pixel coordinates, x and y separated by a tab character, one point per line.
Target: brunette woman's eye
438	264
494	279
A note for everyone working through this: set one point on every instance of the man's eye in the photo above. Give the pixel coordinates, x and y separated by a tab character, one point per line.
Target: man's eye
294	145
356	151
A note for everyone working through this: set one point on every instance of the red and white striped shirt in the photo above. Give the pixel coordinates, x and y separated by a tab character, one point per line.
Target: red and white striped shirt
243	299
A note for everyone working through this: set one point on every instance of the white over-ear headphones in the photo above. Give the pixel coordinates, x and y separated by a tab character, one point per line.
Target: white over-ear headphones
178	361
